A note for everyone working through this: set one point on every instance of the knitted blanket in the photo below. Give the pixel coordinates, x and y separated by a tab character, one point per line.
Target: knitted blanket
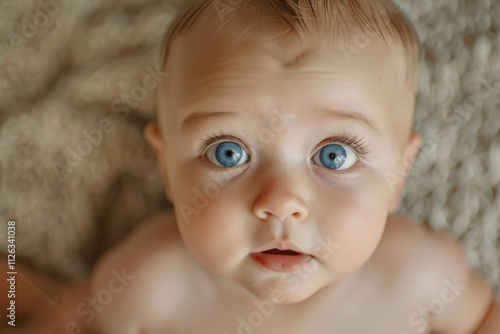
77	86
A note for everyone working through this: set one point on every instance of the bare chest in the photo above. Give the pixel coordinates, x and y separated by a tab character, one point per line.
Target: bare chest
365	311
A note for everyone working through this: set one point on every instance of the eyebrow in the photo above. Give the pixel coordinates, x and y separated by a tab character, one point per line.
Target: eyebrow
354	116
195	119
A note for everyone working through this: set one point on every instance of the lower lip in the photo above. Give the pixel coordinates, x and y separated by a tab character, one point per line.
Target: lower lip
282	263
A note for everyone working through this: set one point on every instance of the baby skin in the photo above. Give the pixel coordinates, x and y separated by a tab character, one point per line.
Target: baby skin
284	160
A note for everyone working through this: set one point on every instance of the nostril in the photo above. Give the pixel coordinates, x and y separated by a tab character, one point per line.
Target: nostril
264	215
279	205
267	215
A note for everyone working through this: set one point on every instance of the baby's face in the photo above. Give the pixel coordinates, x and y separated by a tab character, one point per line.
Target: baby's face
259	155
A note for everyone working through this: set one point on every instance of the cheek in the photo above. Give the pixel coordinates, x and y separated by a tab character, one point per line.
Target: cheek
355	221
212	218
215	231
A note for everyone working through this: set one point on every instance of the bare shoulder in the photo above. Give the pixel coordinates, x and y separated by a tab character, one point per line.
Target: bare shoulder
414	255
431	270
139	278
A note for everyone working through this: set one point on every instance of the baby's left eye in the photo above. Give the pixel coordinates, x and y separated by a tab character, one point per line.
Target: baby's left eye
335	157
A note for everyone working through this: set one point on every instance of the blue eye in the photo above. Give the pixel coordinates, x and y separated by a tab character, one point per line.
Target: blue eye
335	157
227	154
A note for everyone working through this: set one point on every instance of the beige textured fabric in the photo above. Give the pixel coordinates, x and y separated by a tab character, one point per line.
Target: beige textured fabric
76	88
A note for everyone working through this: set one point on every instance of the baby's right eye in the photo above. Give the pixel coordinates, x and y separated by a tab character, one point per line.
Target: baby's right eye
227	154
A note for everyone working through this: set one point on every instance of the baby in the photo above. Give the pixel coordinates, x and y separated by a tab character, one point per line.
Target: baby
284	138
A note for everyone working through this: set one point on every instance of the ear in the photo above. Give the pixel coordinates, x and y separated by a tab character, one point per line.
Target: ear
409	155
153	135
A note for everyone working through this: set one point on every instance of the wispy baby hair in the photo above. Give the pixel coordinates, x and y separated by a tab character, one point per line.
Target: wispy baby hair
326	19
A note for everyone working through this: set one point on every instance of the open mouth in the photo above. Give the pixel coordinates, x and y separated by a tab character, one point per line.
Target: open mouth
282	260
276	251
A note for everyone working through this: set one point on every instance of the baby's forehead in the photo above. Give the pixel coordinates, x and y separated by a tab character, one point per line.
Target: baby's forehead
245	67
270	49
241	44
240	41
241	29
342	29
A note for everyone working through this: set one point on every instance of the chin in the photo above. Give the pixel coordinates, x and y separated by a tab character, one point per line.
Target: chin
287	297
284	290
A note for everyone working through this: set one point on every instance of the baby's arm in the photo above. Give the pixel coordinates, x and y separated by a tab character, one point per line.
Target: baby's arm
129	290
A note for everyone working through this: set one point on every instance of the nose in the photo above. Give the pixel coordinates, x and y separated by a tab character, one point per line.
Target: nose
279	202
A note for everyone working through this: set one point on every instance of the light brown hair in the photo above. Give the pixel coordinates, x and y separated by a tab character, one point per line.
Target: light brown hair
328	18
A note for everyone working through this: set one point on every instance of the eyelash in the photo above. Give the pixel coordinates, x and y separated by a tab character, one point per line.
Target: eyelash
356	142
210	139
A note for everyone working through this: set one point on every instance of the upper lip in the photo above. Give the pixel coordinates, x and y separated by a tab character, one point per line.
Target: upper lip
281	246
